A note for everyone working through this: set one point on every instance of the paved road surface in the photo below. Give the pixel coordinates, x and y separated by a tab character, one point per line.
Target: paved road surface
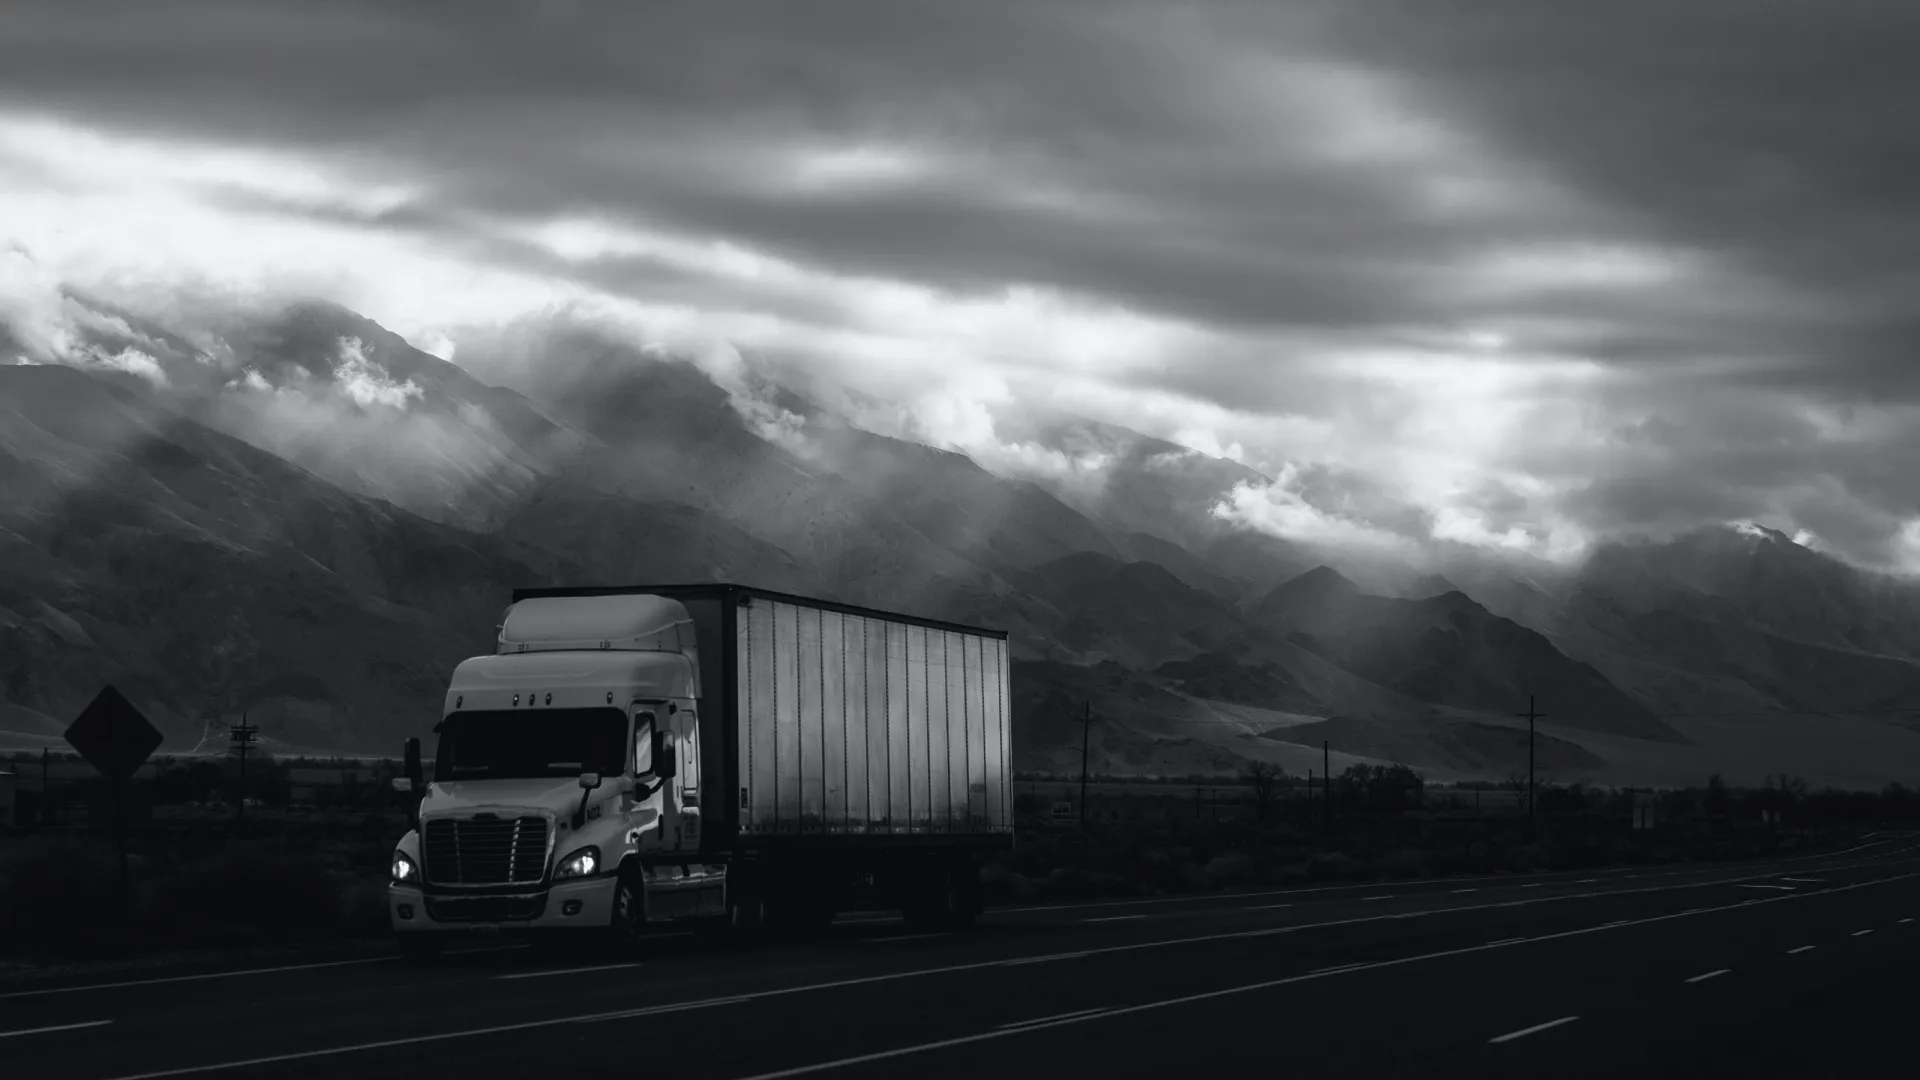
1798	967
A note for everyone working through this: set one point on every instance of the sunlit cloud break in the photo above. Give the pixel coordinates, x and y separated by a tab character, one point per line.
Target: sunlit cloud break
1349	259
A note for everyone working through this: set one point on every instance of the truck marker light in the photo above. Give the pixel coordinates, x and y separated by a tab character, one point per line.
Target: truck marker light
516	699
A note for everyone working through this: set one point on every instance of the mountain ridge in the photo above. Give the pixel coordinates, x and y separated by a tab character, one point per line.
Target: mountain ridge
597	460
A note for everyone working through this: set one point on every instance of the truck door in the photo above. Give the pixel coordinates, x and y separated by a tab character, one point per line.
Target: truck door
707	881
655	820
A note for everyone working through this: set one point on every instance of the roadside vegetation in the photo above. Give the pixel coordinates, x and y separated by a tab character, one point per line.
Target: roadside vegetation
1267	830
306	866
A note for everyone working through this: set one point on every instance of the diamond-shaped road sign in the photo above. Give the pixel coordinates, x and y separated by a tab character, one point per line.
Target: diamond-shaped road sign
113	736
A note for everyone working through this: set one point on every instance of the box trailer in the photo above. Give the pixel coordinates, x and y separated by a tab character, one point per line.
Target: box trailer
633	756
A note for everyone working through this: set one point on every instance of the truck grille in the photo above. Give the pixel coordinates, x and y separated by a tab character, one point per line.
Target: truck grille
486	908
486	852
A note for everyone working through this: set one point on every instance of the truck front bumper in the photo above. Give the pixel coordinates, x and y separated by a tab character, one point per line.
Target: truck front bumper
572	905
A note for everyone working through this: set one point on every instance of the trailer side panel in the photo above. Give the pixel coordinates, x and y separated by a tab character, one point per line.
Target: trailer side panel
855	724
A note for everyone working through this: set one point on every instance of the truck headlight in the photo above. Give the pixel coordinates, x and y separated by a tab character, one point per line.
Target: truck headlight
579	864
404	869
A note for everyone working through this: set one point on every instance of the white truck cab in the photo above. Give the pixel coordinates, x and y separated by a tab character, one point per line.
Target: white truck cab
564	792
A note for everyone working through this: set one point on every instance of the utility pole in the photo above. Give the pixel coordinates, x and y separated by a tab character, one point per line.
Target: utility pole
243	737
1326	782
46	787
1533	820
1086	732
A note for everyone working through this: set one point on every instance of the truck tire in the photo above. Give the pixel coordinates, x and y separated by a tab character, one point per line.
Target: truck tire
628	917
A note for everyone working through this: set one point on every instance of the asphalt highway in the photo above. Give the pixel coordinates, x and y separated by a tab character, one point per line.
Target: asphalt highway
1787	967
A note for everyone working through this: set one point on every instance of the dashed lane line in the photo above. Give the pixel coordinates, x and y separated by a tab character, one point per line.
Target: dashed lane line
565	971
1078	1014
1534	1030
55	1027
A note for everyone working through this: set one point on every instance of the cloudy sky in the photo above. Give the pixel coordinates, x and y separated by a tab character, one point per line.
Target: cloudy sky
1515	272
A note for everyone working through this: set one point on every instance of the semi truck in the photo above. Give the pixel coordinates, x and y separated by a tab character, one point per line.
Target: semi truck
717	755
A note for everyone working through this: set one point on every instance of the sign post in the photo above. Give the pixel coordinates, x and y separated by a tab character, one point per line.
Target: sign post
113	736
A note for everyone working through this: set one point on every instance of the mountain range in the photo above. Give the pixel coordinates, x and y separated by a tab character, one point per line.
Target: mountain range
299	515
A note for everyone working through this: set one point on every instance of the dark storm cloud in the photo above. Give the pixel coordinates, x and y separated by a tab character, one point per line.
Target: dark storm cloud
1167	196
1776	135
1172	158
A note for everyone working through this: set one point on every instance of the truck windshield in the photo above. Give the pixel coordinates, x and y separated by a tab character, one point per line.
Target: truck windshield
522	745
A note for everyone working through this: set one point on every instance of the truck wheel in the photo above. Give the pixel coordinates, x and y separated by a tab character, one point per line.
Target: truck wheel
629	913
419	947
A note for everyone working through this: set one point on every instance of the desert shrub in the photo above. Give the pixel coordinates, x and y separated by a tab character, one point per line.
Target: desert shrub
1331	866
1005	885
1405	863
363	908
245	895
1234	869
57	893
1068	883
1158	871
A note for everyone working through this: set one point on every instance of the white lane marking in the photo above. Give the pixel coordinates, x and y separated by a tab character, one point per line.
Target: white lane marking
1709	975
646	1010
1786	888
55	1027
1801	949
1533	885
1619	922
1535	1029
196	978
1373	898
566	971
1050	1019
1266	907
1861	933
908	937
1506	941
1586	881
965	1039
1040	959
1115	918
1906	920
1339	967
1459	891
1806	880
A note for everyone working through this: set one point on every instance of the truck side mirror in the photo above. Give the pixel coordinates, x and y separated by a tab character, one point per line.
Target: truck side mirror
589	780
403	784
664	760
